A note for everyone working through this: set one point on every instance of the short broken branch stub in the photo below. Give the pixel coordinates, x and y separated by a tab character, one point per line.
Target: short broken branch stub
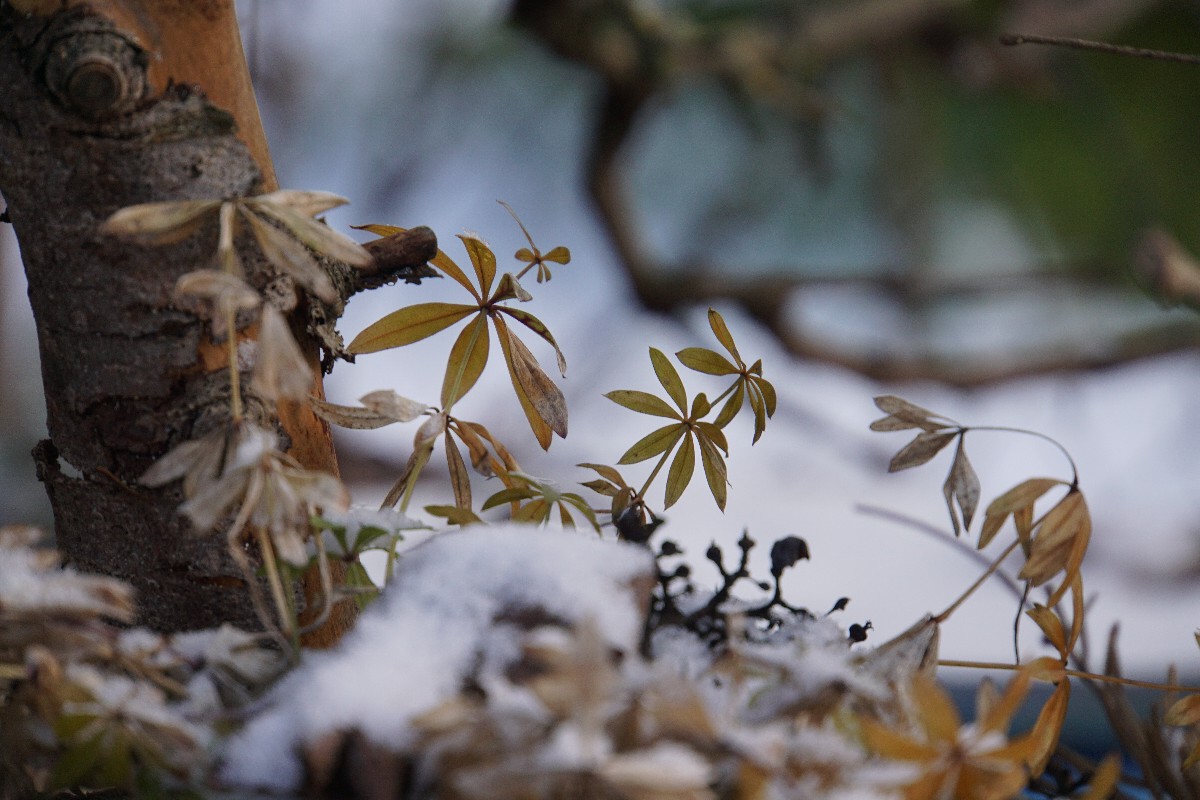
92	69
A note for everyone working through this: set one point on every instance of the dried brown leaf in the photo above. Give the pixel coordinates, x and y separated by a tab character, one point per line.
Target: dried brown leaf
460	480
355	417
1019	498
159	223
925	446
291	257
962	486
390	404
537	326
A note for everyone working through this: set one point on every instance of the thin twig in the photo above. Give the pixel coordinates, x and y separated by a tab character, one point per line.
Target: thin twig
1013	39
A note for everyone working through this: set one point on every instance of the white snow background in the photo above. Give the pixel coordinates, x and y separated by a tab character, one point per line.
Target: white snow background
361	107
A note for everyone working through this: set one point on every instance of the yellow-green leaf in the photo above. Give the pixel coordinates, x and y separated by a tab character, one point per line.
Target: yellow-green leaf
467	359
732	406
768	393
714	471
446	264
408	325
559	255
455	515
680	474
669	378
721	331
381	231
513	494
643	403
483	259
709	362
708	430
652	444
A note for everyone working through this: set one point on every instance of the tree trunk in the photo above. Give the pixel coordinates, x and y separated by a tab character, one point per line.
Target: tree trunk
108	104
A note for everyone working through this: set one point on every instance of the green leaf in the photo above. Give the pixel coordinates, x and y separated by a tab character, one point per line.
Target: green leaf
408	325
455	515
610	473
643	403
513	494
78	762
537	326
537	510
709	362
721	331
680	474
714	471
653	444
601	486
467	359
768	393
711	432
579	503
669	378
700	406
483	259
732	406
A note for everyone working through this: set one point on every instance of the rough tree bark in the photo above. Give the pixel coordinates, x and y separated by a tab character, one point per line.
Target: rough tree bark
107	104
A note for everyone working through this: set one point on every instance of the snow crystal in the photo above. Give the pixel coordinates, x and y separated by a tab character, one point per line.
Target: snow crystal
412	649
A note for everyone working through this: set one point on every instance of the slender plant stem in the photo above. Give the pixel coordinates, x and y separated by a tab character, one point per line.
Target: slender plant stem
1074	673
641	495
1013	39
281	605
942	617
235	378
1036	434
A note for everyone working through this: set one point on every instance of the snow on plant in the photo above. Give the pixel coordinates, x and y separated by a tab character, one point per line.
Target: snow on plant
508	661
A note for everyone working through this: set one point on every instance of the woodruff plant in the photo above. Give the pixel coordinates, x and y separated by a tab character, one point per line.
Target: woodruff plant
122	705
